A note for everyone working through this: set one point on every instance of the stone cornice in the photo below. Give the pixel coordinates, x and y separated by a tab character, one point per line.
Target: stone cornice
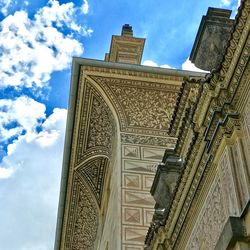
187	97
134	70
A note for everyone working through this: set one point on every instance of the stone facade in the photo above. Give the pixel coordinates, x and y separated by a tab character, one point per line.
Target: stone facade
116	135
183	136
211	205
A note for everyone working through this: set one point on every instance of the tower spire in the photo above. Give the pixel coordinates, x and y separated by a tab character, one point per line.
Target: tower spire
126	48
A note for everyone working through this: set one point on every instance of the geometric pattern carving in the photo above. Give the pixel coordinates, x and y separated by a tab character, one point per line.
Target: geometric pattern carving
147	182
140	105
131	152
132	181
132	215
138	170
139	166
154	154
136	198
83	219
134	235
148	215
94	172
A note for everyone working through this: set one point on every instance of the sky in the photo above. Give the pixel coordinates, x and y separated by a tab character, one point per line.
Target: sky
37	41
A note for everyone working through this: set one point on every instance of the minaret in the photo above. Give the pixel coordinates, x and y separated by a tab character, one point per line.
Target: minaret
126	48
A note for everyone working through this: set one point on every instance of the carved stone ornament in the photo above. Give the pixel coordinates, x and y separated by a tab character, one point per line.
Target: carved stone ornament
168	142
83	218
94	172
210	221
219	120
97	126
140	105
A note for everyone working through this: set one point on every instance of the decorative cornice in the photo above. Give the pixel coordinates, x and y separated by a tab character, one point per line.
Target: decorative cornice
187	97
166	142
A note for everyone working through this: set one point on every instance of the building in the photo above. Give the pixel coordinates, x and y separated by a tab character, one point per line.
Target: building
117	134
208	207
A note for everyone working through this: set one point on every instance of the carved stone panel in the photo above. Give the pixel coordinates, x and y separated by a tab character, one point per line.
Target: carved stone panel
210	221
241	176
130	152
141	106
139	166
153	154
167	142
137	198
246	128
132	215
148	215
82	219
96	125
100	125
228	186
134	235
131	181
94	172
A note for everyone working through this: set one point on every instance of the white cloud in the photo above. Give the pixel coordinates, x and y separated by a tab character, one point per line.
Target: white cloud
150	63
30	194
60	15
154	64
6	172
85	7
226	2
4	6
31	49
166	66
19	115
188	65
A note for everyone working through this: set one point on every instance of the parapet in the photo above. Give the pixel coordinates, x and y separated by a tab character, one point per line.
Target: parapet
212	38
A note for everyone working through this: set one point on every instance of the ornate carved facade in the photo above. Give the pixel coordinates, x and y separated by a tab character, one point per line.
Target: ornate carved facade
210	206
123	117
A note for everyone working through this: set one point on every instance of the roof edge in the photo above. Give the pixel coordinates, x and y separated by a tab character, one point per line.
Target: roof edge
75	68
134	67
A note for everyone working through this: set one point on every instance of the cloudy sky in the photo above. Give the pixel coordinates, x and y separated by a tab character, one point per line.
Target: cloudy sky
37	41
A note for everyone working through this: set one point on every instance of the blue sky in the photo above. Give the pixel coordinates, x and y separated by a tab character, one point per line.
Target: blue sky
37	42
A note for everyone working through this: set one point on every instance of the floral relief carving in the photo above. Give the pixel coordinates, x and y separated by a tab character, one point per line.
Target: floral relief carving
246	124
148	140
141	104
83	219
101	126
229	195
147	108
210	221
96	125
